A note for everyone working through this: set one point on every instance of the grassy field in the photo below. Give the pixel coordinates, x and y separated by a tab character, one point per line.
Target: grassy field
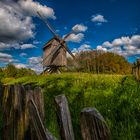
117	98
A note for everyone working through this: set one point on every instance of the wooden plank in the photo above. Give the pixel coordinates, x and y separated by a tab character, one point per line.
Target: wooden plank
38	98
64	118
93	125
37	123
13	118
16	124
1	93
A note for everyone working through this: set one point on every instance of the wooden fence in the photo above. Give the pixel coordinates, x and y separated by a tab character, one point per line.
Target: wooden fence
136	69
23	117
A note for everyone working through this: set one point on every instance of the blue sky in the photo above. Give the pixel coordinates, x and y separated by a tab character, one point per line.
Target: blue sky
108	25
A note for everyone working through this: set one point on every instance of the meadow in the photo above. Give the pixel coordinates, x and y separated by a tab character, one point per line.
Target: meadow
117	97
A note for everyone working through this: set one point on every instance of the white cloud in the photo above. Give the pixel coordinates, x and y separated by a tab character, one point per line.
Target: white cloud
16	19
35	64
6	58
31	8
77	38
37	68
84	47
4	46
135	40
13	25
20	65
23	54
36	42
35	60
8	46
5	55
74	50
79	28
125	46
101	48
27	46
107	43
98	19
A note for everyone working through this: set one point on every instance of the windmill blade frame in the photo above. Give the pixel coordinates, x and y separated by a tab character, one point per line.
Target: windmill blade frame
47	24
69	51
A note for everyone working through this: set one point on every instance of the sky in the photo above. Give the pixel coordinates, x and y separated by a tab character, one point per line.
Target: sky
107	25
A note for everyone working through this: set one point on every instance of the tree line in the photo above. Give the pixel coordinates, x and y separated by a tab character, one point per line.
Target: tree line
96	62
99	62
11	71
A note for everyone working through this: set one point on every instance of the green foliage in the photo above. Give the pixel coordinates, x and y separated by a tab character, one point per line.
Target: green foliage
99	62
24	72
11	71
117	98
1	74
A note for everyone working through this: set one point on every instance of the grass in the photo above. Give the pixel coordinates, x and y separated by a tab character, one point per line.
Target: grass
117	98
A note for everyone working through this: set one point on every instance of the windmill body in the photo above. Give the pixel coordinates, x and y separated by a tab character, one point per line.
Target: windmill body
54	51
52	56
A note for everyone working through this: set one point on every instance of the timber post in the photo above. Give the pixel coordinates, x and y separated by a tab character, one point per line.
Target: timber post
93	125
136	69
16	122
64	118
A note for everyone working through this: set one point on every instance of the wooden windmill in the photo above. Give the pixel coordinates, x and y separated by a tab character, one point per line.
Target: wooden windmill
55	51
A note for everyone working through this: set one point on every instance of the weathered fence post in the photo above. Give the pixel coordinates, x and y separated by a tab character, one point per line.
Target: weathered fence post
16	123
136	69
64	118
93	125
41	132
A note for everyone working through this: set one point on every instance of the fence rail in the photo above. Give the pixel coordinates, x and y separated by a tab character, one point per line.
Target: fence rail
23	117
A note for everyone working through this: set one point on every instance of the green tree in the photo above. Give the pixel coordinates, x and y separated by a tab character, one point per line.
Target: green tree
101	62
10	70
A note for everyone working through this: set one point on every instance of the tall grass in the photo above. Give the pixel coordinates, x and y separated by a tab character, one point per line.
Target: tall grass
116	97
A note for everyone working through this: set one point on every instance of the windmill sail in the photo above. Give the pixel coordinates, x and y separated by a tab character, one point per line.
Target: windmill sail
54	52
47	24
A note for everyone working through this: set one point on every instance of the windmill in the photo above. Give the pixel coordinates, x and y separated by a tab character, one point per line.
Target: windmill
55	50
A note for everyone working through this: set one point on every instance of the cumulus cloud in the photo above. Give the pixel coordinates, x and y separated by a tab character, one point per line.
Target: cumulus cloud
100	48
4	46
84	47
14	26
99	19
27	46
8	46
35	60
77	38
19	65
35	64
16	19
79	28
31	8
23	54
6	58
125	46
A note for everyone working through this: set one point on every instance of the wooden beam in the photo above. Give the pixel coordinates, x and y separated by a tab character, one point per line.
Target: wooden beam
64	118
93	125
37	123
